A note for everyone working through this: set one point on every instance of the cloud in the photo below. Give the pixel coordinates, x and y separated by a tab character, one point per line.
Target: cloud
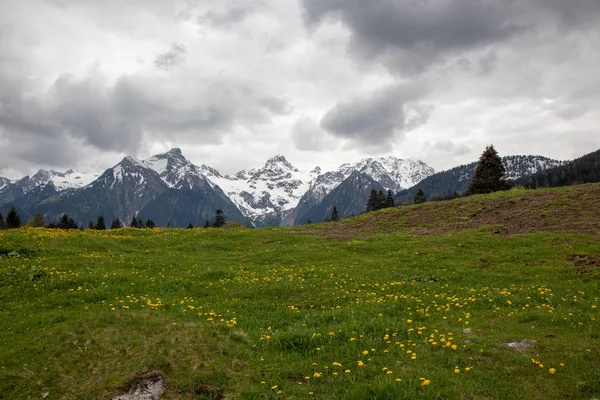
410	36
118	116
308	136
377	120
226	18
172	58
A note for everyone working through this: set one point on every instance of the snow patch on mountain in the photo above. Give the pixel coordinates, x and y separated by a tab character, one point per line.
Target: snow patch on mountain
275	187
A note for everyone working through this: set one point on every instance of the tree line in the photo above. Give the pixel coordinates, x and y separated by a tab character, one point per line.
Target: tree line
13	221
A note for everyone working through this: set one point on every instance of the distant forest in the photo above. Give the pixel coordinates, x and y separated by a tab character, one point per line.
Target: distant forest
585	169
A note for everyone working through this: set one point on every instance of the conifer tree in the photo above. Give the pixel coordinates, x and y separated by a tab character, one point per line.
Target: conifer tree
63	223
116	224
190	226
489	174
141	224
2	223
71	224
334	214
219	219
150	224
389	200
372	202
91	225
12	219
37	221
100	224
420	197
308	221
206	224
134	223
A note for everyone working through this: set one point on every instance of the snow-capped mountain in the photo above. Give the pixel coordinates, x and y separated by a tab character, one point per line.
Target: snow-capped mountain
176	171
390	172
4	182
519	166
275	187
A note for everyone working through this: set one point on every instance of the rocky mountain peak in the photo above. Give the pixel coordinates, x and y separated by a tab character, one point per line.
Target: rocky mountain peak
279	164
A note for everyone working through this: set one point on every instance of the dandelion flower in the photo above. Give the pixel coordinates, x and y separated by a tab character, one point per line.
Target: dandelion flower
552	371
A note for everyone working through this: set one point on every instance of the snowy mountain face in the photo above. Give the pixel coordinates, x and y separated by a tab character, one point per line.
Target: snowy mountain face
4	182
273	188
176	171
519	166
61	180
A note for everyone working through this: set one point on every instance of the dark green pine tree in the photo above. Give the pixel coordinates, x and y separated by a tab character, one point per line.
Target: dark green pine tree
489	174
37	221
372	202
134	223
141	224
308	221
12	219
206	224
334	215
219	219
389	200
420	197
380	200
71	224
2	223
190	226
100	223
91	225
63	223
116	224
150	224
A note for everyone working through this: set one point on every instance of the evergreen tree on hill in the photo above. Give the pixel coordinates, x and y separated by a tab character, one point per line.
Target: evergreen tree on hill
37	221
134	223
63	223
91	225
334	215
420	197
150	224
219	219
2	223
389	200
116	224
100	223
206	224
489	174
12	219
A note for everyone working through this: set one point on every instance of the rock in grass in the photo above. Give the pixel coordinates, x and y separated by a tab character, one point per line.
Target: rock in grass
521	345
147	386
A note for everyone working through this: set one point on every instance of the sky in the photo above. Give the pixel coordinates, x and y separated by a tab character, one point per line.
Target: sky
232	83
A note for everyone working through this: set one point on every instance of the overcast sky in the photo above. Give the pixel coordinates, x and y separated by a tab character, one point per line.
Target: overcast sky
232	83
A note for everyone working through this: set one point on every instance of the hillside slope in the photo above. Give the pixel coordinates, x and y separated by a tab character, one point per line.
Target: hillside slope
572	209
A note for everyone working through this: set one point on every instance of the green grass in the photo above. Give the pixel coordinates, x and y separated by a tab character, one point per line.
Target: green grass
266	313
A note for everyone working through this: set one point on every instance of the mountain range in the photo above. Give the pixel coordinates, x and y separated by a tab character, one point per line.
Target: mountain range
173	191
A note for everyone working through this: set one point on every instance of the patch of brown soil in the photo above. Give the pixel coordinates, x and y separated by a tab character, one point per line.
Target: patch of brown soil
571	209
584	261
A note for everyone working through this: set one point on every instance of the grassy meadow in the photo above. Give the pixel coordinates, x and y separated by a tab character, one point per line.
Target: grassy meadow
295	313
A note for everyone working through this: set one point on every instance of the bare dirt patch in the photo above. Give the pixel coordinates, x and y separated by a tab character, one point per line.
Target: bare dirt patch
584	261
571	209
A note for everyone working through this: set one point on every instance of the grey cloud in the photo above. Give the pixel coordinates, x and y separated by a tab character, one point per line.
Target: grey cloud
118	116
409	36
308	136
171	58
375	121
449	147
226	18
